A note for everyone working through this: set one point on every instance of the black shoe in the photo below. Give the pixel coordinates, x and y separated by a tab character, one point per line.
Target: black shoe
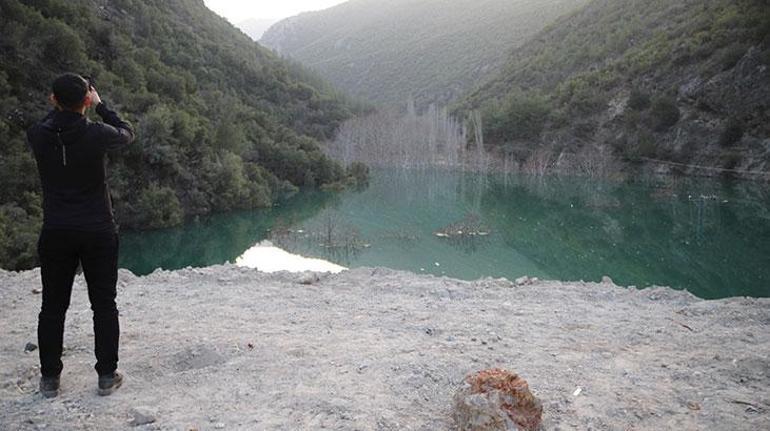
110	383
49	386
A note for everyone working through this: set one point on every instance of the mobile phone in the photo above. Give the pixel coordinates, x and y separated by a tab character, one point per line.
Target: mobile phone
90	82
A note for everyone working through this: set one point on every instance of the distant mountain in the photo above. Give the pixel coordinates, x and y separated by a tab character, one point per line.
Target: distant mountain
255	27
683	81
431	50
222	123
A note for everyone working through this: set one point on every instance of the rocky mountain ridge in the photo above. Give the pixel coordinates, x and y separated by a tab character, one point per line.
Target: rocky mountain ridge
683	83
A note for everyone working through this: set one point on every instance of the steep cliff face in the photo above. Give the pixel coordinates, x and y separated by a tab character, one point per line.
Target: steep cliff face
429	50
725	118
723	123
684	82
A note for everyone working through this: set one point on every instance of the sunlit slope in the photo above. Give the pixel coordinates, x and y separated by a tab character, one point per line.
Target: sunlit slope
222	123
431	50
683	81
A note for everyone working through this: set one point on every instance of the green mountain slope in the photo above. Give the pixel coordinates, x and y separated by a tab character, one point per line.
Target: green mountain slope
431	50
222	123
686	82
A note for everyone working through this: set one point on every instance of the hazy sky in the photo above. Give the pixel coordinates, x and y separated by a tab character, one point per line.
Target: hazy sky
240	10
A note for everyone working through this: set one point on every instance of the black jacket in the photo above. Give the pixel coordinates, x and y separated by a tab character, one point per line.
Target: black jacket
70	151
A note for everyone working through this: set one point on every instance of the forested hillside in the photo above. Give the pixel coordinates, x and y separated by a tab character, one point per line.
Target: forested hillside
431	50
682	81
221	122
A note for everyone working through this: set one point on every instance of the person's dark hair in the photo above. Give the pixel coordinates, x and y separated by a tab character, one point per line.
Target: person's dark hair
70	90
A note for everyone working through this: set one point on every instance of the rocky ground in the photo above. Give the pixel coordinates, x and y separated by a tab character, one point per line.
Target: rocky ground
375	349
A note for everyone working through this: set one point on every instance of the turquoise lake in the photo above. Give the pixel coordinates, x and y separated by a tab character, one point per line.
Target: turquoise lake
708	236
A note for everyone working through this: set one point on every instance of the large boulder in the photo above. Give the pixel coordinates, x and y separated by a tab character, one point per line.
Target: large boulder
495	399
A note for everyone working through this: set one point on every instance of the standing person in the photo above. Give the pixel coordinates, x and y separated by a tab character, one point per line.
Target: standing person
78	224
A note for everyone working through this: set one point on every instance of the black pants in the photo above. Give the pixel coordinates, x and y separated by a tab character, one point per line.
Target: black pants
60	251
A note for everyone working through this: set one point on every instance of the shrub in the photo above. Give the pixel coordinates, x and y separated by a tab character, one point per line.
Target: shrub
584	129
260	194
732	133
19	231
522	117
732	55
631	120
235	184
764	56
359	173
685	152
63	47
645	147
730	161
665	114
158	207
584	94
704	106
638	101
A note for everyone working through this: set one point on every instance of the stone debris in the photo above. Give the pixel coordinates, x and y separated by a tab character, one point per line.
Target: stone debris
30	347
522	281
141	416
308	279
496	399
263	352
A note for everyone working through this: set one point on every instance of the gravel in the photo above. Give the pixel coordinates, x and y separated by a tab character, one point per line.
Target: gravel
375	349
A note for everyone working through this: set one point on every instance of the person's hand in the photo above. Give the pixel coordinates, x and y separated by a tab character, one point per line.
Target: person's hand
52	101
95	99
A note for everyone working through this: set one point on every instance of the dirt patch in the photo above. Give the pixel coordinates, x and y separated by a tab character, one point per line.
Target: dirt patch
375	349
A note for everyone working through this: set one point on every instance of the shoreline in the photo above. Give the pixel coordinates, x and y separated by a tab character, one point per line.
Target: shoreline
646	167
225	347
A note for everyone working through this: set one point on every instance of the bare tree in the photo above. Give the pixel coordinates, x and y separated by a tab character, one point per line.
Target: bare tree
410	139
406	139
596	162
539	163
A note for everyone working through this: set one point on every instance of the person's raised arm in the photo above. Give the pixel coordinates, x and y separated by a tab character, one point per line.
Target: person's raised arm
120	132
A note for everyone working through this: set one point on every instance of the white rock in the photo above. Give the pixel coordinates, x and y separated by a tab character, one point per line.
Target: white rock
141	416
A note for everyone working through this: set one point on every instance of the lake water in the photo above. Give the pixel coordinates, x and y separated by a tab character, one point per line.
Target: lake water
707	236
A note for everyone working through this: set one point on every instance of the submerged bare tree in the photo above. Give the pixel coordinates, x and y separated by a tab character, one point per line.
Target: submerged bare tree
467	234
329	237
540	163
596	162
410	139
405	139
590	161
481	157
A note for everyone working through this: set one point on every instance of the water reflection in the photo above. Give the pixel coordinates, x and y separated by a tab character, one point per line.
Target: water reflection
213	240
268	258
327	235
710	237
700	235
